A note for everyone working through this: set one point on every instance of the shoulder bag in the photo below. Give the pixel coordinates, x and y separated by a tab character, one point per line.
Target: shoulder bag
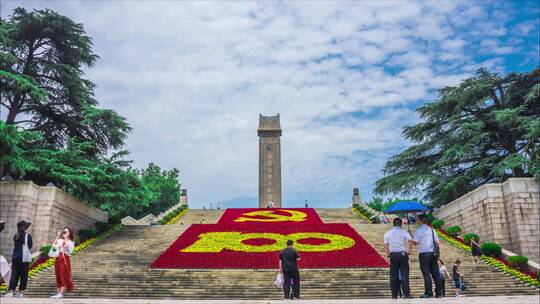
436	249
26	255
53	252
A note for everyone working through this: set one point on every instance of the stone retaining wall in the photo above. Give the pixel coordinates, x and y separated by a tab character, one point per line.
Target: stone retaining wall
506	213
48	209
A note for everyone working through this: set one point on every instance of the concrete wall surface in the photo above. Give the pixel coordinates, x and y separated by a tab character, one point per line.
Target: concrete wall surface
507	213
48	208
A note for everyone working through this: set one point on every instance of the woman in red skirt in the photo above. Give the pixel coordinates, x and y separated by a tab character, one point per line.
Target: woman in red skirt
62	267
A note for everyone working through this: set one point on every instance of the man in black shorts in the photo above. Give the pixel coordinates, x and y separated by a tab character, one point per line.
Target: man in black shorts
287	265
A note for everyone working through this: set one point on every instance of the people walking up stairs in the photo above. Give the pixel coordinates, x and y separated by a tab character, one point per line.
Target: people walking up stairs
118	267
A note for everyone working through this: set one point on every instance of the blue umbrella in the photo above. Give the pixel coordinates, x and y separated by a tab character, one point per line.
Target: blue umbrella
406	207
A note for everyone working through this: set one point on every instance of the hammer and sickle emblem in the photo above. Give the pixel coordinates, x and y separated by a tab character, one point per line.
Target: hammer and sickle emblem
270	216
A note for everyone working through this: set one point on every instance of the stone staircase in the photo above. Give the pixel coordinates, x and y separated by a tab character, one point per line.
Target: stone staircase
117	267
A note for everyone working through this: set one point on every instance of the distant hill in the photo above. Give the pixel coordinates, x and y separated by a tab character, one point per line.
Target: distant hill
241	202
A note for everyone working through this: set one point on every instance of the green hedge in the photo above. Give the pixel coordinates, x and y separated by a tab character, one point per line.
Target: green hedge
518	261
363	210
171	215
491	249
467	238
114	220
436	224
453	231
44	250
88	233
101	227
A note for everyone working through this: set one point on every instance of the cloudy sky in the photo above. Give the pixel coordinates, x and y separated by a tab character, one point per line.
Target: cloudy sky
192	78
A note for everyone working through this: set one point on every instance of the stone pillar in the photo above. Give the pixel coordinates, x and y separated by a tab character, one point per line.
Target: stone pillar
183	197
269	161
356	199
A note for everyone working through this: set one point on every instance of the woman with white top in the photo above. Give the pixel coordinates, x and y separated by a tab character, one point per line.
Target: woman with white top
62	267
442	271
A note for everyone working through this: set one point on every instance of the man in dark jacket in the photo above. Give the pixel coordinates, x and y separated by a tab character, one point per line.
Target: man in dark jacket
19	267
287	265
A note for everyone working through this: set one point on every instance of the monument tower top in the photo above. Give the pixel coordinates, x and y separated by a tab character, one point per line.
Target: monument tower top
269	125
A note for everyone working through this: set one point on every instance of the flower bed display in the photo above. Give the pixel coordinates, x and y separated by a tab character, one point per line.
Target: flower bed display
289	216
256	245
360	214
176	217
44	263
525	276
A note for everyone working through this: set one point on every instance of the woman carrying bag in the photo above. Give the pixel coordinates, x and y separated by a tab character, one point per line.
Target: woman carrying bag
20	260
61	249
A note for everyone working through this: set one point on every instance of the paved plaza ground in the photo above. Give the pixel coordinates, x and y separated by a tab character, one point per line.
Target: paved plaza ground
475	300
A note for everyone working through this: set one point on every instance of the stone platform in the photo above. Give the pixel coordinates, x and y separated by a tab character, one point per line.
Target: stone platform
466	300
118	267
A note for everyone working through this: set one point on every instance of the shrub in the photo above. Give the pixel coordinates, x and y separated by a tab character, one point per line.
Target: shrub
44	250
436	224
467	238
114	219
518	261
85	234
430	217
76	240
453	231
491	249
101	227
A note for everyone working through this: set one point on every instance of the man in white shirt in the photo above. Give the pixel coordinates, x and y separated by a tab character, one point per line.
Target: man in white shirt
397	246
426	239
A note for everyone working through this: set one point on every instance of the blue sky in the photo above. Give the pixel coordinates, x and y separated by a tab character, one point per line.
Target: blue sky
192	78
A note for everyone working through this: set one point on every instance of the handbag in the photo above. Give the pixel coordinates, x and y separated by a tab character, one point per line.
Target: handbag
53	252
436	249
279	280
26	255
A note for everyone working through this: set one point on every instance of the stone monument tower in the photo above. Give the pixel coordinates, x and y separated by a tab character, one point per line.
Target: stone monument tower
269	161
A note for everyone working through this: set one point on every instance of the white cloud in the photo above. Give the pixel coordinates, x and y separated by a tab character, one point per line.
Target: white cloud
192	77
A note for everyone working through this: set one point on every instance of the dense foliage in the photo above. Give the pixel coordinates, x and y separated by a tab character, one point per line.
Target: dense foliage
453	231
486	129
518	261
42	56
491	249
469	236
437	223
53	130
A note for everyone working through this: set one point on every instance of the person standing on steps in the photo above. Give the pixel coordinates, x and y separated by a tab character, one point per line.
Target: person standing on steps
62	267
288	259
427	241
20	260
397	246
443	271
476	251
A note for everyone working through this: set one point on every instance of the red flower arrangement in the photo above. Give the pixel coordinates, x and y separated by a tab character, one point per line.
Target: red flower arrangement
290	216
256	245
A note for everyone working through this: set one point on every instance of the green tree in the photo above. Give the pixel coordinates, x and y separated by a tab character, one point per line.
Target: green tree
163	185
42	84
14	145
486	129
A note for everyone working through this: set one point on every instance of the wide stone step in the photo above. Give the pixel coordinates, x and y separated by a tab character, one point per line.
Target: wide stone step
117	267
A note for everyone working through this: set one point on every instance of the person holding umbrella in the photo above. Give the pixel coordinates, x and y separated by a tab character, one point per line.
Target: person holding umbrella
428	246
